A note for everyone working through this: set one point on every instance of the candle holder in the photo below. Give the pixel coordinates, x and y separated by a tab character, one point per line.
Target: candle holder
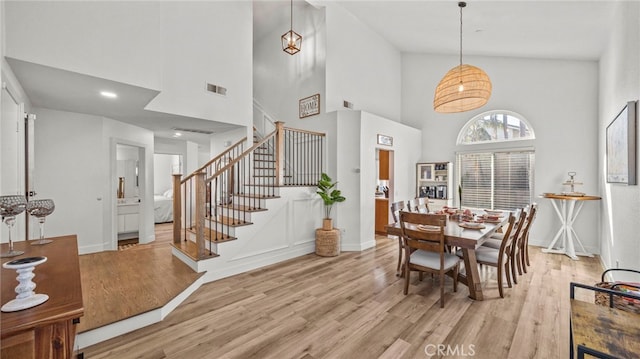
10	207
26	297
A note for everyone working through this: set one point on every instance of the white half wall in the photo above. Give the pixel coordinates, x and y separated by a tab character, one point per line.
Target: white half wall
619	83
559	98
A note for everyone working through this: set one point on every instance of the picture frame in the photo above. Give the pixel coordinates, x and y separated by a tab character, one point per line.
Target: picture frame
622	145
309	106
385	140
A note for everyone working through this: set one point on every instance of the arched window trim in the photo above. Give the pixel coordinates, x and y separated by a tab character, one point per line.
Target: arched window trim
463	131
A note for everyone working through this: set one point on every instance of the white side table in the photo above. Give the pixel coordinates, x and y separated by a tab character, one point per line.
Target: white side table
567	208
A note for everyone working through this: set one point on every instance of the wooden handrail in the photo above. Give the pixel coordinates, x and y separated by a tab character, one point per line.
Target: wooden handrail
240	157
204	167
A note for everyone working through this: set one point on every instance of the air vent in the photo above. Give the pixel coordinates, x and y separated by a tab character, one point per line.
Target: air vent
217	89
204	132
347	104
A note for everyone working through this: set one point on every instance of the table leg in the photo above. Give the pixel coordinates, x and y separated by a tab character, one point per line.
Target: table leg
567	215
471	277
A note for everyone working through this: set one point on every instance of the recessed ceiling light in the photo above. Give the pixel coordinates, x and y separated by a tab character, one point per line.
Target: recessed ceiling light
177	134
108	94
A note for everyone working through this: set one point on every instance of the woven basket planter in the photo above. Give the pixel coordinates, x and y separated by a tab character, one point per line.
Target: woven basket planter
327	242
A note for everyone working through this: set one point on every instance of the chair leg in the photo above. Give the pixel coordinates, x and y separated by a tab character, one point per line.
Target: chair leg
512	260
406	273
507	273
399	256
519	260
500	290
441	289
523	261
456	269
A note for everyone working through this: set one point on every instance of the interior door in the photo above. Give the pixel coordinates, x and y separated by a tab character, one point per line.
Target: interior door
12	154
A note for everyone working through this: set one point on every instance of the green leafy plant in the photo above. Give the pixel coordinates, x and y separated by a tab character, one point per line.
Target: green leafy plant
330	196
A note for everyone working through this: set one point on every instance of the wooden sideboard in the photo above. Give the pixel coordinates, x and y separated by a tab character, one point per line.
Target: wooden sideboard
49	329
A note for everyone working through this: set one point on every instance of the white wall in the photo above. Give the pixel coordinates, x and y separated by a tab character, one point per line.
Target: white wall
280	80
162	172
356	171
619	83
361	68
557	97
84	188
149	44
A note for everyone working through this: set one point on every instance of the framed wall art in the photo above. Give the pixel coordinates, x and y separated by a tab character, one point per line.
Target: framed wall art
621	146
310	106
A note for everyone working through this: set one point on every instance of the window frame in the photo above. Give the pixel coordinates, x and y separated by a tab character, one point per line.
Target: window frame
462	133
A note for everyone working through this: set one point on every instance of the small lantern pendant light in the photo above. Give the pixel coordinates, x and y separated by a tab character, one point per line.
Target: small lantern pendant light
291	40
464	87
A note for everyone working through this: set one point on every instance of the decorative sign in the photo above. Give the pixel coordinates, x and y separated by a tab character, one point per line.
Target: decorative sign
385	140
310	106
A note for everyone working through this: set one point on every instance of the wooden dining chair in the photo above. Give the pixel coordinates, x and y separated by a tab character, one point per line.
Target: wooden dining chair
422	205
525	251
500	258
522	258
412	205
423	236
396	208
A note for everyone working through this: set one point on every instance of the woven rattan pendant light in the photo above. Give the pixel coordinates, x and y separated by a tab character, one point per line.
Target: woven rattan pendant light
464	87
291	40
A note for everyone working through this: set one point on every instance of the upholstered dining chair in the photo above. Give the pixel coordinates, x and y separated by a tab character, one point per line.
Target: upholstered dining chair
422	205
412	205
423	236
396	207
523	245
501	258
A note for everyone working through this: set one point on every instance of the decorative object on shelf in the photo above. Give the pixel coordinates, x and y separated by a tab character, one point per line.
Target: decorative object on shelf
622	146
41	208
309	106
572	182
291	40
385	140
26	297
120	187
330	196
464	87
10	207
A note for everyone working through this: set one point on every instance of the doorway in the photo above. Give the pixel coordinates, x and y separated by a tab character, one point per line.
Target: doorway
128	189
384	195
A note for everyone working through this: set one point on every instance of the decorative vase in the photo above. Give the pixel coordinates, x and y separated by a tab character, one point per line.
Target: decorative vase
327	224
120	187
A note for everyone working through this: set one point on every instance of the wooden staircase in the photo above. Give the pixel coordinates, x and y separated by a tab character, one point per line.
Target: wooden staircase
223	195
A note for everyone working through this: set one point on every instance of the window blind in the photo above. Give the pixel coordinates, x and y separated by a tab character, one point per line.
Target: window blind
496	180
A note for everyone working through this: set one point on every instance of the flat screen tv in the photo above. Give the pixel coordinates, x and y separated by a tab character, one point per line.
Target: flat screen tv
621	146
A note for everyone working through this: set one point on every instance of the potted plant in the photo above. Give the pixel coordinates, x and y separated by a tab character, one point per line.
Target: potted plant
330	196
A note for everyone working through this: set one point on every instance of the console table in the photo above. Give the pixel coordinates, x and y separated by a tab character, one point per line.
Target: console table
567	211
49	329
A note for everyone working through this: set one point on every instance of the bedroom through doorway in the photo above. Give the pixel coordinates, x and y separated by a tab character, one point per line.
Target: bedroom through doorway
164	167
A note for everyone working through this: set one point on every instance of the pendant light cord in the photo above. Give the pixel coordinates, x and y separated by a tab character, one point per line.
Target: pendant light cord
461	5
291	27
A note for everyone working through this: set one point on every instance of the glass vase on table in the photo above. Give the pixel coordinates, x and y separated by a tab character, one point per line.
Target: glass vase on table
10	207
41	208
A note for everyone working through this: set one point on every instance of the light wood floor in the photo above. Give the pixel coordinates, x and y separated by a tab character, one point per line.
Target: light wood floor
352	306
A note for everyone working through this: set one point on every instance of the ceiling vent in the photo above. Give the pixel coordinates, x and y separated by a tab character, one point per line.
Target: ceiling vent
204	132
217	89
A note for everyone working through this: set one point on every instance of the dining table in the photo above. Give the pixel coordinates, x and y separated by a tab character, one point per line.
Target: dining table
468	240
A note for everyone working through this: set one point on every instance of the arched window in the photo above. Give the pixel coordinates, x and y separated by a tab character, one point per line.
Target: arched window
495	126
499	176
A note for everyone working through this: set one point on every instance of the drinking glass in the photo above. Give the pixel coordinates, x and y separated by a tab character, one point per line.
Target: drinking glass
41	208
10	207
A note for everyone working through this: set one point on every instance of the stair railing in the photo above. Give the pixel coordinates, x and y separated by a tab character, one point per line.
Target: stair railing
223	193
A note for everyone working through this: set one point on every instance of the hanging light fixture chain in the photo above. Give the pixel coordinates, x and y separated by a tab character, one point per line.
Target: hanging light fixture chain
291	17
461	5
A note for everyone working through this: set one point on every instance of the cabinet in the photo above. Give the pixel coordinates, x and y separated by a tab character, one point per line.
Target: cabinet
46	331
434	180
127	221
383	170
382	215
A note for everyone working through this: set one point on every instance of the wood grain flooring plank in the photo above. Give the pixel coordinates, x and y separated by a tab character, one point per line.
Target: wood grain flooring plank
352	306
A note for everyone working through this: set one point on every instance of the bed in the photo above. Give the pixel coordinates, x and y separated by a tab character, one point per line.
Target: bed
163	207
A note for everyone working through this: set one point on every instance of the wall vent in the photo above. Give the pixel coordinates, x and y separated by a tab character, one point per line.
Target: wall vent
217	89
204	132
347	104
